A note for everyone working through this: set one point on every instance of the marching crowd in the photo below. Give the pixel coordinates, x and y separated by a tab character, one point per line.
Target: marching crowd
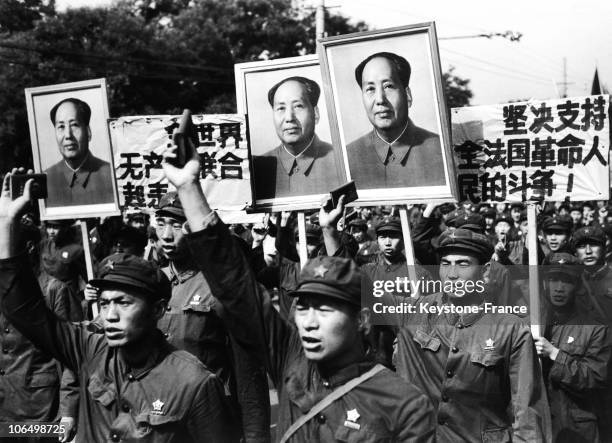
189	322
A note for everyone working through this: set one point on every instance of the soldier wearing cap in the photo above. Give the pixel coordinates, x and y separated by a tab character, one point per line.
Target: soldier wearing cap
479	368
320	350
576	355
302	164
133	384
557	230
193	321
367	247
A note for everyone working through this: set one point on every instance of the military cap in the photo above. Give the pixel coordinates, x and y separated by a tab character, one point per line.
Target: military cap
59	223
359	223
451	217
466	241
132	273
335	277
562	263
389	224
170	206
313	232
445	208
557	223
473	222
504	218
131	236
313	91
517	205
590	234
575	207
489	213
402	67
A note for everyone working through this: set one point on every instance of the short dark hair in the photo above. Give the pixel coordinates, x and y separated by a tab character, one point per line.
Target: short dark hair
313	91
83	109
400	64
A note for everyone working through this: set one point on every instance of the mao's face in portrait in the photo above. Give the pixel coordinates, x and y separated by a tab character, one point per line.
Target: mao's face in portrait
385	99
71	133
294	116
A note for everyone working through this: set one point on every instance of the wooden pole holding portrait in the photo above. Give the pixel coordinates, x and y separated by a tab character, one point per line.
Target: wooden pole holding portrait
534	280
303	250
88	261
409	247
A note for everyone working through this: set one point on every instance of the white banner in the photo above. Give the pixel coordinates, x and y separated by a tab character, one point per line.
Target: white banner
538	150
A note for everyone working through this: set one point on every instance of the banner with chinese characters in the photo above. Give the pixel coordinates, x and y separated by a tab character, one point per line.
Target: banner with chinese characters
537	150
139	142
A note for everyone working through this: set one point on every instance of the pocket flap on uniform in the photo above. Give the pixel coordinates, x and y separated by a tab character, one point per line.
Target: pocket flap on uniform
487	359
427	341
156	419
501	435
42	379
103	394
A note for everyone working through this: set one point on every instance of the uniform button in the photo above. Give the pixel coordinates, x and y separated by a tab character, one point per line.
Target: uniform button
7	330
326	384
460	326
321	418
445	398
115	437
168	308
449	373
454	349
166	335
125	407
130	377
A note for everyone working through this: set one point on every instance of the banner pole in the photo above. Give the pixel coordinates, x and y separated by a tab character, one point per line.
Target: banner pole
88	262
409	247
534	281
302	238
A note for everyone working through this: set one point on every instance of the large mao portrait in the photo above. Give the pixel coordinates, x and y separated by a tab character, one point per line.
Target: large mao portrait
386	101
293	161
71	145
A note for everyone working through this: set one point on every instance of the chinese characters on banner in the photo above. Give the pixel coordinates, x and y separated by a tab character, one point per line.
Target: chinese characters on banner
138	145
537	150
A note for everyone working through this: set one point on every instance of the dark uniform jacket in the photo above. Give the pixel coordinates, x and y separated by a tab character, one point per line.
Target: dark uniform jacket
389	409
279	174
413	160
576	377
193	322
91	184
480	370
173	398
595	300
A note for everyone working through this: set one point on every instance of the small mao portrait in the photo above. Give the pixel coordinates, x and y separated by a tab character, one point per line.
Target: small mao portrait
294	163
68	127
391	117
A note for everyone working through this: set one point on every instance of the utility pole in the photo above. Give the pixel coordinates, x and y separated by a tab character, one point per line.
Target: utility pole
565	83
320	19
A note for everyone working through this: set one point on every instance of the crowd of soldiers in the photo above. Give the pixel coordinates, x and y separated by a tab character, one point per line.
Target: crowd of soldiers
198	320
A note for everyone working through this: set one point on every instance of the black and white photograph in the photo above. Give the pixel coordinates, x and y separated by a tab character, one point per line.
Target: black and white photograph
387	100
68	126
338	221
293	160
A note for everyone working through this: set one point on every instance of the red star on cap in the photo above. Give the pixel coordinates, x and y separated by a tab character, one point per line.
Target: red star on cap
320	271
110	264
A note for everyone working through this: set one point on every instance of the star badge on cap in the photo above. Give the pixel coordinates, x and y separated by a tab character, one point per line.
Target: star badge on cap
489	345
65	254
320	271
171	200
110	264
570	339
562	261
352	415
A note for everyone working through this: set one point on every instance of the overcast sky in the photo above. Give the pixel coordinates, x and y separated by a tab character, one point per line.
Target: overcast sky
500	70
